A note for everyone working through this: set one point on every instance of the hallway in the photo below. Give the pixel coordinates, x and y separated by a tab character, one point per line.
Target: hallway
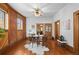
57	22
18	49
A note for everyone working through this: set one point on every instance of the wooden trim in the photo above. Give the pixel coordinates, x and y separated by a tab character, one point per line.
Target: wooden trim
12	26
76	32
4	7
14	10
55	25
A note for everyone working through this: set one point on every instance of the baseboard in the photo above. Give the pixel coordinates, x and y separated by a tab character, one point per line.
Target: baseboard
69	48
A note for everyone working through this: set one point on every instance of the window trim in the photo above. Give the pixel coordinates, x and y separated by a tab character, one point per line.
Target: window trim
5	13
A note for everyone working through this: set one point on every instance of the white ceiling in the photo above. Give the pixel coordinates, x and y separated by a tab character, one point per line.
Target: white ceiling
49	9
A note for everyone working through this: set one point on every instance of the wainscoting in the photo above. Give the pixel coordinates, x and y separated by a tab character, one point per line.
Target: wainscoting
12	24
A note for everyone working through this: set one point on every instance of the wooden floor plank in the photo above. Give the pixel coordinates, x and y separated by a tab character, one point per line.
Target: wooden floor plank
18	49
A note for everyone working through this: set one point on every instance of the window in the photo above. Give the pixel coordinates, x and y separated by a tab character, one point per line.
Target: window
19	24
3	20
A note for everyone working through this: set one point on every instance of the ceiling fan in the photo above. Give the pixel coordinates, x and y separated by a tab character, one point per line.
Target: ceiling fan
37	12
38	9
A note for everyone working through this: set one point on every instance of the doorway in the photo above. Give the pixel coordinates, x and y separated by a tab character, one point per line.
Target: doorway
40	29
48	30
76	32
45	29
57	29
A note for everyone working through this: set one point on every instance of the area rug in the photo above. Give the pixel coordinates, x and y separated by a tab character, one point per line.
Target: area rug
39	50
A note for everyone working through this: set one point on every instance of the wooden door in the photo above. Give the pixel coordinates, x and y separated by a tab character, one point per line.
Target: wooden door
76	32
48	30
57	29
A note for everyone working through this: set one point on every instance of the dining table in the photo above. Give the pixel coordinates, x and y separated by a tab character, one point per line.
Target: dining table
37	38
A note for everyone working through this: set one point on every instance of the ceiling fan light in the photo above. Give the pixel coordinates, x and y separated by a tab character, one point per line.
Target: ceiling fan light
37	12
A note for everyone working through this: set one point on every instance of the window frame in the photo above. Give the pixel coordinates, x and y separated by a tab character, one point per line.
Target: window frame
3	18
20	23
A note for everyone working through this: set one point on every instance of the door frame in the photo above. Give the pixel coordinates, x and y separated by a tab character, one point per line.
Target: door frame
44	27
39	24
76	32
55	25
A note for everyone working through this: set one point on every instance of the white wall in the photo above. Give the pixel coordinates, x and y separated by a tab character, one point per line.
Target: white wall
34	21
63	15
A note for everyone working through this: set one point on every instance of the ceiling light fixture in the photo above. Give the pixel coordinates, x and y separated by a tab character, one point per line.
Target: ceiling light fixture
37	12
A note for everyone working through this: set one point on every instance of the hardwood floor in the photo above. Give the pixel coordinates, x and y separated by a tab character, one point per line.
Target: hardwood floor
56	50
18	49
